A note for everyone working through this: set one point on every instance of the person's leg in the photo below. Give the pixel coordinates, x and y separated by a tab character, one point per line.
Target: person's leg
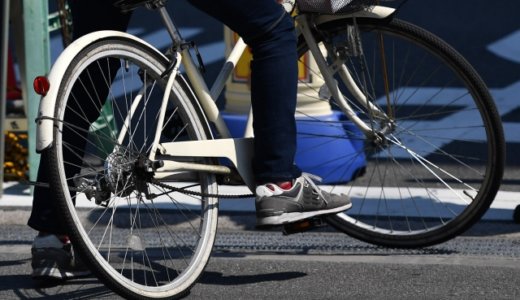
88	16
269	31
283	194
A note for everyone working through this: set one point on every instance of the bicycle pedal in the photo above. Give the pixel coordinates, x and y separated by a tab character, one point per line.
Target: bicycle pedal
303	225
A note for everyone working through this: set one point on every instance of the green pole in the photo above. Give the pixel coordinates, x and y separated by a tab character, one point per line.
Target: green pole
33	48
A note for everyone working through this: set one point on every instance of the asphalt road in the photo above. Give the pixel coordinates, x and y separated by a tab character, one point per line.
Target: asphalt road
482	264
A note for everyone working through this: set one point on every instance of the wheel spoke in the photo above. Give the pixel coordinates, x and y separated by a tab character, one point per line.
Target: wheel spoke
108	114
430	166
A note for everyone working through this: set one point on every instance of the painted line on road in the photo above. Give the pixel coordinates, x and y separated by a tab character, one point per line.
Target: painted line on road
501	209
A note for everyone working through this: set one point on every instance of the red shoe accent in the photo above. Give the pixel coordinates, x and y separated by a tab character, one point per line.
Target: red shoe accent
270	186
286	185
64	239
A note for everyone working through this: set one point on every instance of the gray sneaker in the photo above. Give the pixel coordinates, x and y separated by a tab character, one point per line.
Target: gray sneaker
276	206
52	259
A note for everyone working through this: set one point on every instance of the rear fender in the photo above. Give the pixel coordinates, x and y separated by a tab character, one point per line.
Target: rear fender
45	121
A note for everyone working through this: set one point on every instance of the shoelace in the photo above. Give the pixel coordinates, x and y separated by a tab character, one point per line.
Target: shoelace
310	178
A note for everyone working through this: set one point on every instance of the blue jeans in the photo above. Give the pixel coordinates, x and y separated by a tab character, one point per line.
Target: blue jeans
269	32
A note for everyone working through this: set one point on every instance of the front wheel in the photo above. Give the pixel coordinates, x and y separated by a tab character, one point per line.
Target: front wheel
434	162
138	236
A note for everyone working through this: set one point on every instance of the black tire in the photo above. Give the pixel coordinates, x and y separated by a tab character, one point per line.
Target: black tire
138	244
439	161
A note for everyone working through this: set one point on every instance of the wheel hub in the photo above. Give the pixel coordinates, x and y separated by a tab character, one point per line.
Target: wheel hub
119	172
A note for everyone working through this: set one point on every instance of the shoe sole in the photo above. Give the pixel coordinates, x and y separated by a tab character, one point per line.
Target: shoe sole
56	274
297	216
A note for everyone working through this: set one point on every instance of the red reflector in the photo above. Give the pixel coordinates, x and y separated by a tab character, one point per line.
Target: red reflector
41	85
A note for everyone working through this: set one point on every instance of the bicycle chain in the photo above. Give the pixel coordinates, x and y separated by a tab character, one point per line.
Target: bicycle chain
199	194
158	183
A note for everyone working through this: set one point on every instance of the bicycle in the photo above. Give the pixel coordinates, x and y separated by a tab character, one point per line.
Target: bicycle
141	198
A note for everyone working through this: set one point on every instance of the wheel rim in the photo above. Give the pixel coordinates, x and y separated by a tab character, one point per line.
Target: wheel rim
153	246
436	153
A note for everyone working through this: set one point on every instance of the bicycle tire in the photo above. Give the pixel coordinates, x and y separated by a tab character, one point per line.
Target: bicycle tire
140	245
418	187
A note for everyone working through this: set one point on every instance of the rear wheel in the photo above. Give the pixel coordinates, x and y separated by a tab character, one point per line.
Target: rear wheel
138	236
435	162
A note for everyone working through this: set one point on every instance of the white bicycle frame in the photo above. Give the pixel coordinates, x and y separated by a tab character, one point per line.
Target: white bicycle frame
238	150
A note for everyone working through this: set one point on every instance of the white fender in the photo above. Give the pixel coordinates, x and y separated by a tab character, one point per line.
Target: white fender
44	124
